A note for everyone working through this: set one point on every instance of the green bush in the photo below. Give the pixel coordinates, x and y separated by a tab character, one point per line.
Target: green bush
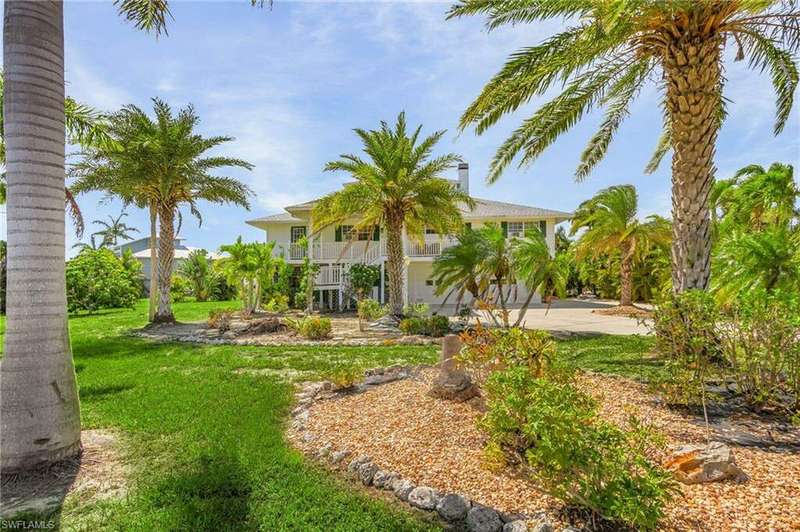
180	289
438	325
371	310
686	327
553	431
761	346
362	278
98	279
416	310
312	327
413	325
278	303
486	350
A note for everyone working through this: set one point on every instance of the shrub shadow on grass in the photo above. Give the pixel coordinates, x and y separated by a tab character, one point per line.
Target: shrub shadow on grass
90	392
214	496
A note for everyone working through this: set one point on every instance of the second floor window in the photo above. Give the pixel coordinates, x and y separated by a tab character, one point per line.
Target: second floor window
346	233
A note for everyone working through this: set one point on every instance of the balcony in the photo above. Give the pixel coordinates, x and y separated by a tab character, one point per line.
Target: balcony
368	252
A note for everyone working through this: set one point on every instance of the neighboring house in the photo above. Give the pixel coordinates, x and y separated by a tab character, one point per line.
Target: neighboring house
334	249
141	252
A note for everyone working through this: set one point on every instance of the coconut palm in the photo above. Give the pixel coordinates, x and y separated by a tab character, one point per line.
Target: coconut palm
538	269
610	223
398	188
609	52
114	229
161	163
40	412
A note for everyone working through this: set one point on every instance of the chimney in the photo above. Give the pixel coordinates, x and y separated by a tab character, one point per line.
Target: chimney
463	177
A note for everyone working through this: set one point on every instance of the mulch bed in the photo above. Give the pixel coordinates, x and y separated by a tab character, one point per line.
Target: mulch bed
436	443
628	311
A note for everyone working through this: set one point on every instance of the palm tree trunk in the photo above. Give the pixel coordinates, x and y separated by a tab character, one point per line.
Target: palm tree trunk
626	276
39	408
153	262
394	263
166	252
694	89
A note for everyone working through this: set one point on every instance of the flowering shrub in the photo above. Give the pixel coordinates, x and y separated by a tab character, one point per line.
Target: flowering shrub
98	279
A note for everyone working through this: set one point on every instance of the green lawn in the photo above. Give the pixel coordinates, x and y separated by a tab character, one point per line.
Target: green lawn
204	437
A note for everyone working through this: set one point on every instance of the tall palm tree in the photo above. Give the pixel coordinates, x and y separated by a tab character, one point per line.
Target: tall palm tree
610	223
399	188
608	53
161	163
114	229
40	412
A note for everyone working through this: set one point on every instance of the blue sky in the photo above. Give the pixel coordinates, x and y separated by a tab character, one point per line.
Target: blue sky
290	84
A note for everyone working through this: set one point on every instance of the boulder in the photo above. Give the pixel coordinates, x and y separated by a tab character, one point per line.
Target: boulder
516	526
423	497
383	479
357	462
453	507
483	519
695	464
366	473
339	456
452	383
402	488
542	526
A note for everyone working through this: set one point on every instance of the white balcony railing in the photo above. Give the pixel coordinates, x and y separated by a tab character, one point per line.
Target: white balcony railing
432	246
329	275
367	252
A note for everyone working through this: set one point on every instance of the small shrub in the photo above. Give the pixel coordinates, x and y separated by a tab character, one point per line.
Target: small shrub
486	350
345	377
761	347
553	432
180	289
414	325
416	310
278	303
362	278
438	325
371	310
685	327
311	327
220	319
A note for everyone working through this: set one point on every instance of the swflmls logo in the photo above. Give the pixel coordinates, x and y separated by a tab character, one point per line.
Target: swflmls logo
26	525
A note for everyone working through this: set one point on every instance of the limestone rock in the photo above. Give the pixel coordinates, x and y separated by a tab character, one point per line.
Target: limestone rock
423	497
542	526
384	479
695	464
339	456
516	526
453	507
357	462
402	488
483	519
366	472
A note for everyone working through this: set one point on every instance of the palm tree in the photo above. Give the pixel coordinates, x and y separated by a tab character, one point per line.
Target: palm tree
609	52
161	163
40	412
114	229
611	225
198	270
538	269
457	271
400	188
251	267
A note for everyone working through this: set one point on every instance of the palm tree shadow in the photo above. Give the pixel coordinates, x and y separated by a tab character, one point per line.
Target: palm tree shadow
35	497
217	486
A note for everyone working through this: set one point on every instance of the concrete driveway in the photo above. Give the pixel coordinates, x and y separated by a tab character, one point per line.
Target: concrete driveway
574	317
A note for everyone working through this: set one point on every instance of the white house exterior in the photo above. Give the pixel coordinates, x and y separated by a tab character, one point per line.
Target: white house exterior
141	252
335	252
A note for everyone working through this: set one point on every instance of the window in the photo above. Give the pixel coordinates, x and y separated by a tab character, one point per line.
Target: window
516	229
363	235
346	233
430	231
297	232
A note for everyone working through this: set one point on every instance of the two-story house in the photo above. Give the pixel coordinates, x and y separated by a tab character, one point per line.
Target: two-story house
336	248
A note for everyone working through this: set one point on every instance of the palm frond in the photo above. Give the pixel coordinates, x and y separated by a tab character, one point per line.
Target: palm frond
147	15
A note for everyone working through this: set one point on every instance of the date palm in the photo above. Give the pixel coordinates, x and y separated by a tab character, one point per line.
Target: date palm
161	163
399	187
457	270
39	411
114	229
609	52
538	269
610	223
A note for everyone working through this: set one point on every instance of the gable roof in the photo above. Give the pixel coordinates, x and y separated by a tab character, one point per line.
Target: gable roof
486	208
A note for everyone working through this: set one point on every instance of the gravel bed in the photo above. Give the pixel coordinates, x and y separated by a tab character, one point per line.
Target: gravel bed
436	443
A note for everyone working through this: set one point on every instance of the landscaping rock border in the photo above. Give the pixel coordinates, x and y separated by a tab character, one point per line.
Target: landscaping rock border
454	509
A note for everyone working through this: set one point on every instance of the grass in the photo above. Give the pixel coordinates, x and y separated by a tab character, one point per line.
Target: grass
202	427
